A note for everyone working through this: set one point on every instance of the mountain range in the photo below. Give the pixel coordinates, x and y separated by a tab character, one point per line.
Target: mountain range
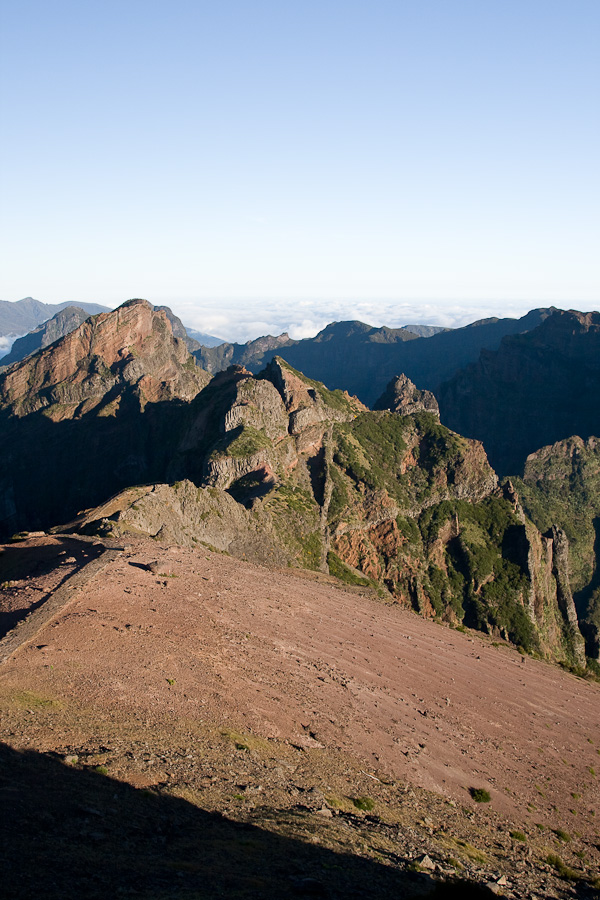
362	359
40	324
258	639
24	315
278	468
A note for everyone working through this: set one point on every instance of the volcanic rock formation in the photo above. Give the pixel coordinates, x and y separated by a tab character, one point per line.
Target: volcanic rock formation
403	397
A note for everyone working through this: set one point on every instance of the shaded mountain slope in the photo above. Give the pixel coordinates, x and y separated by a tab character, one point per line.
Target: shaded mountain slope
361	359
537	388
90	414
252	355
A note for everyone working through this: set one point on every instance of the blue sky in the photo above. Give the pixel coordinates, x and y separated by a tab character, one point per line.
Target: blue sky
265	165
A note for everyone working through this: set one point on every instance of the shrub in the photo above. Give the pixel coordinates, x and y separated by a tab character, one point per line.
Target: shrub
340	570
563	836
480	795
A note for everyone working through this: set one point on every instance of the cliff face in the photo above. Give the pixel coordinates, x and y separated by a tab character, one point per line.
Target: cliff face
561	487
536	389
90	414
130	348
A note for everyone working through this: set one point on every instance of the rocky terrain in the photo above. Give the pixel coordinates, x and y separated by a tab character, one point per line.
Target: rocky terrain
192	725
214	656
402	396
302	476
90	414
561	483
278	469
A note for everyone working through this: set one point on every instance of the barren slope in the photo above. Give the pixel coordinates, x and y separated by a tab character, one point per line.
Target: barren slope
249	691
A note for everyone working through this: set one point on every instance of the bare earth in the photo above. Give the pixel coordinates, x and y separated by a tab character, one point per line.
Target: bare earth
280	699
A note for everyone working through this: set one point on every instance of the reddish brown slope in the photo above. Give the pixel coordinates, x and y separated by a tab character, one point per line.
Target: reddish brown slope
284	657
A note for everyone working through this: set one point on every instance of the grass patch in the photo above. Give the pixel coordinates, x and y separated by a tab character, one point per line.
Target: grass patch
245	741
340	570
465	849
562	870
363	803
31	700
518	836
480	795
562	835
242	442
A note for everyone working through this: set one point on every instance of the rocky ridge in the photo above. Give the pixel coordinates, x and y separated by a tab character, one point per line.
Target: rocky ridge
362	359
131	346
277	468
302	476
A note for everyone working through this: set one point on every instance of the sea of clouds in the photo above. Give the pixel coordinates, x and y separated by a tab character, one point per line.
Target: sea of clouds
6	342
240	321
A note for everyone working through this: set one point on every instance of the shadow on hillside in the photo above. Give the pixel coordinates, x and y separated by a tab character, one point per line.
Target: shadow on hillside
67	832
19	562
51	470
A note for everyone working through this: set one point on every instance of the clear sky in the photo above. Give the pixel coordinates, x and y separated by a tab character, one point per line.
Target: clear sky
268	164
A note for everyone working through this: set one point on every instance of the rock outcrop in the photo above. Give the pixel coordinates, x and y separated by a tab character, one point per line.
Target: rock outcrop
403	397
560	490
91	414
131	347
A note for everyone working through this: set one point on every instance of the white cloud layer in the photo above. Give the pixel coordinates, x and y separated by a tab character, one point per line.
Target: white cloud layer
6	342
237	320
